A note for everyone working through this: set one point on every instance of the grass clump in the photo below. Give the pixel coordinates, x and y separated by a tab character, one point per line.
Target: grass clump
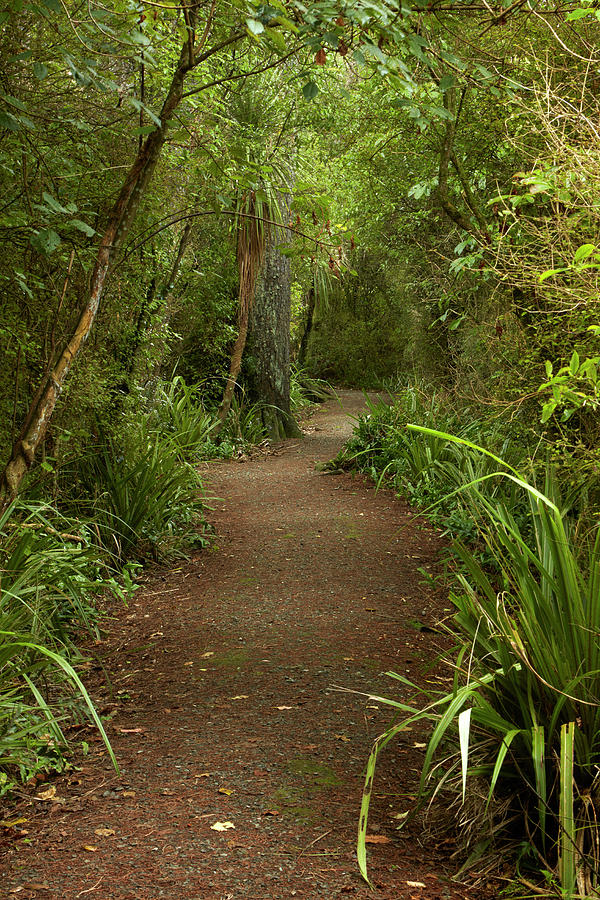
523	716
48	582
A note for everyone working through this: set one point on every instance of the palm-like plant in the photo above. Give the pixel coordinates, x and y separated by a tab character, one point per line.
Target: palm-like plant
260	209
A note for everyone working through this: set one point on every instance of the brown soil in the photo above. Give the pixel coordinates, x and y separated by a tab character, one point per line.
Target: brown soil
224	709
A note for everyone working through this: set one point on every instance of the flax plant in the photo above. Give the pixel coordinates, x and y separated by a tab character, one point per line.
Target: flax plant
524	710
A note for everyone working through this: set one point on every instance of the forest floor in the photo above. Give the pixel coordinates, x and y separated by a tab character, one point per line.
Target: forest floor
241	764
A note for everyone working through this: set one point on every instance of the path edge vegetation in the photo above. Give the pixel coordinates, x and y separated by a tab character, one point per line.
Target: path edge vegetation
515	740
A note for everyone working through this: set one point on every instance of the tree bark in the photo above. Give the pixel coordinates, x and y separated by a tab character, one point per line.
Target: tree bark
270	335
250	248
310	314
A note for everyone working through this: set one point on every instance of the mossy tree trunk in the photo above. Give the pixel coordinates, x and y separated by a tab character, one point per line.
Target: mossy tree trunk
270	340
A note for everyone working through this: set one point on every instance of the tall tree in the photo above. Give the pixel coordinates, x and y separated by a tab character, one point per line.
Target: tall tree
132	192
270	337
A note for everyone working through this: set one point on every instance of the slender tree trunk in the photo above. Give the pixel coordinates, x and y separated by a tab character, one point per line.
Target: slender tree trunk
150	305
122	214
250	249
270	334
310	314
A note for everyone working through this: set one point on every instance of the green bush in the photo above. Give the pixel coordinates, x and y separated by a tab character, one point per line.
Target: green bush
145	501
179	413
523	714
48	580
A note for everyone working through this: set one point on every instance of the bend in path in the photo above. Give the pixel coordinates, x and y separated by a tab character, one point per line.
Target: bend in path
224	669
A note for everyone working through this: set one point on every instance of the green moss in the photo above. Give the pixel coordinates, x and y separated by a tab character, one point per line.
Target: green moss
319	774
234	659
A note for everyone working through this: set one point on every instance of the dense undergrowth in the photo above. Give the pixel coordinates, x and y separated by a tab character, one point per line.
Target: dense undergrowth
87	523
515	741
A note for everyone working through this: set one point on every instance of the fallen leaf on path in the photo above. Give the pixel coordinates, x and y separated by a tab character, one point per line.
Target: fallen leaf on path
270	812
8	823
90	848
104	832
190	663
284	707
239	697
30	886
401	815
341	737
48	794
203	775
377	839
416	884
128	794
207	654
131	730
222	826
227	791
419	746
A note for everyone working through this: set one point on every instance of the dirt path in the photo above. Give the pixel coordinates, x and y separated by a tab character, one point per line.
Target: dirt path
223	669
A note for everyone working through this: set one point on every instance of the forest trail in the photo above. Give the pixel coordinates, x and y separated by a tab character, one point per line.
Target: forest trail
223	668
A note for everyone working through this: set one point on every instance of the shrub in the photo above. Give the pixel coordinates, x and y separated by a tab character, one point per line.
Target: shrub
524	712
47	583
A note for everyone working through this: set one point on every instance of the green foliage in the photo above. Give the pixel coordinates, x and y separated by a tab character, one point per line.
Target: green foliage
179	414
426	466
144	500
523	712
48	583
306	389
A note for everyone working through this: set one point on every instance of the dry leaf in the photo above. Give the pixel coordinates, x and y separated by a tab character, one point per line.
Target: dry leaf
31	886
416	884
377	839
226	791
104	832
90	848
270	812
284	707
191	663
206	655
48	794
203	775
222	826
131	730
419	746
341	737
128	794
239	697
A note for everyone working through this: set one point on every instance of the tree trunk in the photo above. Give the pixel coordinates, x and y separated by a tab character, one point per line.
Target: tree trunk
120	218
270	331
310	314
250	248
